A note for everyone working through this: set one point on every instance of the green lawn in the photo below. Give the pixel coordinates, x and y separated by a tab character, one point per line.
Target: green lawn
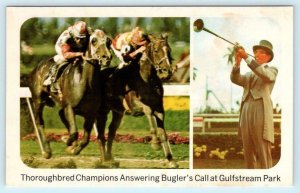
121	150
175	121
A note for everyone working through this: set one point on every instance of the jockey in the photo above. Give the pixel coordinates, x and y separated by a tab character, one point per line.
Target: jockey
128	45
72	43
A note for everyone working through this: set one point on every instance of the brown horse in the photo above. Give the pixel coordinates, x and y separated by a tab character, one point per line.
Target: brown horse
144	76
81	87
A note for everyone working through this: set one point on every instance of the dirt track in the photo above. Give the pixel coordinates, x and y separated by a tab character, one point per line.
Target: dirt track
85	162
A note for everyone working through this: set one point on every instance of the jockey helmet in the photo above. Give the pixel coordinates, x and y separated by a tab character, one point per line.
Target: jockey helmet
79	29
138	36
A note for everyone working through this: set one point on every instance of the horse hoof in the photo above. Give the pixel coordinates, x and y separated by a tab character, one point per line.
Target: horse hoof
173	164
70	150
107	164
64	138
108	158
46	155
156	146
76	150
115	164
72	138
73	150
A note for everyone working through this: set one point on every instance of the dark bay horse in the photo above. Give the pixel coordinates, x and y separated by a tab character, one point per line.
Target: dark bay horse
144	76
81	87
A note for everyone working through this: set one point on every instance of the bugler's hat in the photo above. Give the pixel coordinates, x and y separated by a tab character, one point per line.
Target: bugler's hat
266	45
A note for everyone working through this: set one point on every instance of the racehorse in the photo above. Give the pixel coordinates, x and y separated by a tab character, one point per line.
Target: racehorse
144	76
81	86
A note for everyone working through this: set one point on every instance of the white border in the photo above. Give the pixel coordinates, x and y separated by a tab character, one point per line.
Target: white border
16	16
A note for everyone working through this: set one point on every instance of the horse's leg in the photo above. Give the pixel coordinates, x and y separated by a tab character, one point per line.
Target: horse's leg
114	125
101	123
155	143
88	125
70	119
63	119
161	133
38	114
65	122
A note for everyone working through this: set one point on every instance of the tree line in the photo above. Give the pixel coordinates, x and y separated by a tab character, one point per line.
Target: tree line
46	30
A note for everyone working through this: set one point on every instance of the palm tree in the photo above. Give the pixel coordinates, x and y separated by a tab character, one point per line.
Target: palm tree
195	71
230	55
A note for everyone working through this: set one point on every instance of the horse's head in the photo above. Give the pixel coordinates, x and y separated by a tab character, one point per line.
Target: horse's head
99	47
159	52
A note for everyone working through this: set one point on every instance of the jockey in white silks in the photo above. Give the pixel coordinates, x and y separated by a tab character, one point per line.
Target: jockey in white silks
72	43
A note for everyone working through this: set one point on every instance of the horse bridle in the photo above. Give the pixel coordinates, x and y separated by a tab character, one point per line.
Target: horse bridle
103	41
157	65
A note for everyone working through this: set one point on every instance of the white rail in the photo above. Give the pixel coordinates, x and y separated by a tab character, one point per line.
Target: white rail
203	121
169	90
25	92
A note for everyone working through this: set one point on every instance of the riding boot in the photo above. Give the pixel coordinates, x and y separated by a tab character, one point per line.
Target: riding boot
54	85
55	74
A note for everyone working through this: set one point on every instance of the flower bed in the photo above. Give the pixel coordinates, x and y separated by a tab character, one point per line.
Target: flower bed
225	147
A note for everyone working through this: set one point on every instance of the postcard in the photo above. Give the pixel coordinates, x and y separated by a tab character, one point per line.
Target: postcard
149	96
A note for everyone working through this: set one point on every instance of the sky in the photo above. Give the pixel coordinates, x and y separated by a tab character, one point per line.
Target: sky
212	68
